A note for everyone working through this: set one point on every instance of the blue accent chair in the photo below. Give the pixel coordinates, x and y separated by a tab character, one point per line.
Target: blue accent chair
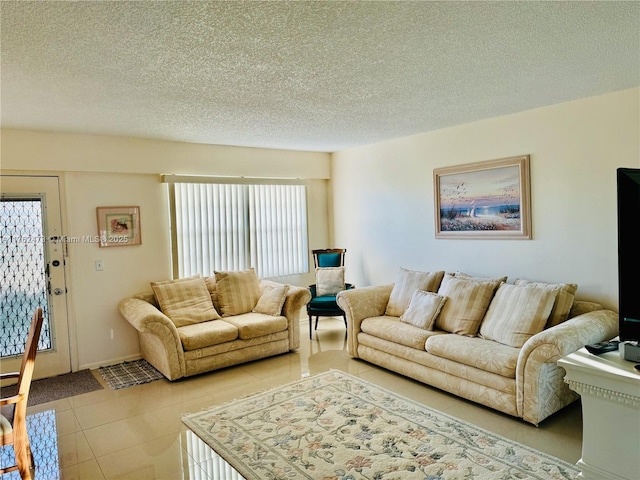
326	305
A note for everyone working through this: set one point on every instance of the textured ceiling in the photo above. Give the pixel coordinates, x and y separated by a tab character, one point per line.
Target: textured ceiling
319	76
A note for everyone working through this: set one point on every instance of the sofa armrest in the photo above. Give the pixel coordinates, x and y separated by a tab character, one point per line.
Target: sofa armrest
540	387
361	303
297	298
159	340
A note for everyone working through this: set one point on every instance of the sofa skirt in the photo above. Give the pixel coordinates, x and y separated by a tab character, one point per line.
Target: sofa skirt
235	357
482	394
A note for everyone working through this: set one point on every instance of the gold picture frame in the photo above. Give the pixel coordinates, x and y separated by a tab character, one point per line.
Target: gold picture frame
484	200
118	226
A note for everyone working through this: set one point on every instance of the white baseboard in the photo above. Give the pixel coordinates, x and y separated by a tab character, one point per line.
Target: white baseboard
114	361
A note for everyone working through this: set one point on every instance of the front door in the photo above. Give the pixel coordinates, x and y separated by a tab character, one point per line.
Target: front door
32	272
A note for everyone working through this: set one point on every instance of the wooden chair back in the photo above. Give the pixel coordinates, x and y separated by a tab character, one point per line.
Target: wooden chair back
17	434
328	257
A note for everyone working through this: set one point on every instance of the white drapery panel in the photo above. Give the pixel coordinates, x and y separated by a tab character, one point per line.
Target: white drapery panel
237	226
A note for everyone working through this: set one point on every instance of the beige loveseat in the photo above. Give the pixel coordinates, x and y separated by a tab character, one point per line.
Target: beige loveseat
214	322
488	341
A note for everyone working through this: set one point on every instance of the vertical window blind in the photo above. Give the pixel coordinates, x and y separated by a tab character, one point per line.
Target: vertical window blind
238	226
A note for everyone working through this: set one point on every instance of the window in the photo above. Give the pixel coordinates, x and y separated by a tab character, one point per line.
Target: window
229	226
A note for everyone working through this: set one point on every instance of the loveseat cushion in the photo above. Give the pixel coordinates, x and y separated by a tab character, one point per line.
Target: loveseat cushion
393	330
205	334
407	282
185	301
466	304
563	303
238	292
518	312
476	352
252	325
213	291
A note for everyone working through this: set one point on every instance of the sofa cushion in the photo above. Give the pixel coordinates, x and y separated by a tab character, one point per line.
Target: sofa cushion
329	280
185	301
476	352
272	300
423	309
517	313
252	325
238	292
407	282
393	330
466	304
205	334
563	303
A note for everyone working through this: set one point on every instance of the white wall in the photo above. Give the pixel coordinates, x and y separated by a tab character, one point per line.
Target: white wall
386	192
110	171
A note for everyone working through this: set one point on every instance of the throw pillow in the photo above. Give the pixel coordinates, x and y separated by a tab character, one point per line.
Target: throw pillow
423	309
498	280
467	303
407	282
517	313
329	280
272	300
238	292
564	300
185	301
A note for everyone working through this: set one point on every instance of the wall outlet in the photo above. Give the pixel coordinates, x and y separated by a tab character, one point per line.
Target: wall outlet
99	265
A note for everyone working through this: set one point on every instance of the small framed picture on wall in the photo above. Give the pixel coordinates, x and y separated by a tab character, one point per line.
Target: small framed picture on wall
119	226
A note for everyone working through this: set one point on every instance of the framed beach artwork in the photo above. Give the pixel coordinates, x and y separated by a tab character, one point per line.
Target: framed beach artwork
118	226
487	200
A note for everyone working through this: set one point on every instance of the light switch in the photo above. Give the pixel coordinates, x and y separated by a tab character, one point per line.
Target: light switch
99	265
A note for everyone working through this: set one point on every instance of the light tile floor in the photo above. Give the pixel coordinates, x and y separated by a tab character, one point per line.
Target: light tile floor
136	433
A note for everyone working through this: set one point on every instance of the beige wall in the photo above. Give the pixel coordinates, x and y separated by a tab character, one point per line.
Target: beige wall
575	149
107	171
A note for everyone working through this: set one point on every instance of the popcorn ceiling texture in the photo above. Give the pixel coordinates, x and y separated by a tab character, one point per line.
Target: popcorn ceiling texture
317	76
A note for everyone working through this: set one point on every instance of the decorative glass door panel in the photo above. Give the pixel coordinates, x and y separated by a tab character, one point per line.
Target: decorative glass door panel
23	274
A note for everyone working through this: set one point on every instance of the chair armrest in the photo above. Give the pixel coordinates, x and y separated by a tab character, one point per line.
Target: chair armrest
297	298
361	303
12	399
8	375
537	367
312	289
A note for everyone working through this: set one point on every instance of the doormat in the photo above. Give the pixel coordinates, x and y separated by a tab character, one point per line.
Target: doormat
128	374
58	387
335	425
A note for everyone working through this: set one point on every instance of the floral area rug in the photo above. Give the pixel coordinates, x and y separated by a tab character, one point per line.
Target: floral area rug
340	427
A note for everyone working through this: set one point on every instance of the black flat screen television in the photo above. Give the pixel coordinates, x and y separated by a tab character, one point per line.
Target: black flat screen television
629	253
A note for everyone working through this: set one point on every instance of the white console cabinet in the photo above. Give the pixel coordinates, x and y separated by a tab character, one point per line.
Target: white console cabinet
610	391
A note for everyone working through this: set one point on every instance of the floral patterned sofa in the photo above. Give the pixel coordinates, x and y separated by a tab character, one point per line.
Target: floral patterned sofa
486	340
194	325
